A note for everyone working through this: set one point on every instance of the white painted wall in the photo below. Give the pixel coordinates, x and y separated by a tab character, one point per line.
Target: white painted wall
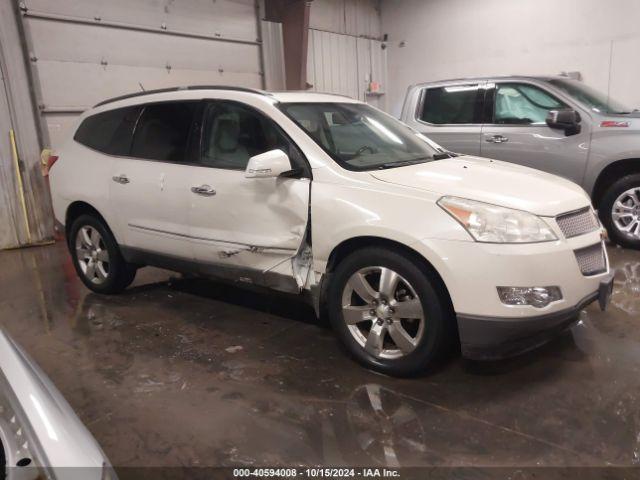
459	38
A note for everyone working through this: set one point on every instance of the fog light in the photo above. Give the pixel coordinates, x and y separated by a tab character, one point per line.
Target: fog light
535	296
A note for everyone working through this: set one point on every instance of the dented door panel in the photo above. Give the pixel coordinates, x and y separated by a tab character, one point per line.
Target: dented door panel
253	224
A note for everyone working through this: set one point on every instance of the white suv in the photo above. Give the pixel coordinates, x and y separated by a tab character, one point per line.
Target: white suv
406	247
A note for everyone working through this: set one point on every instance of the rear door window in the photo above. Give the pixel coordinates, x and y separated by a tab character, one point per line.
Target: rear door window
454	104
163	131
522	104
109	132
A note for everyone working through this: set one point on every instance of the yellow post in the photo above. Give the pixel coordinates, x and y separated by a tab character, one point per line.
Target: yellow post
14	152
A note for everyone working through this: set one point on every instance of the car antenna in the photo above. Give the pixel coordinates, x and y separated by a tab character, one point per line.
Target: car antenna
141	87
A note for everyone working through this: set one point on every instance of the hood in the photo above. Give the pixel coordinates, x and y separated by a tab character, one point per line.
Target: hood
491	181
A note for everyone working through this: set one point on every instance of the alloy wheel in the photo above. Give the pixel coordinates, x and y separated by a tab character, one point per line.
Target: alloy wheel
626	213
383	312
92	255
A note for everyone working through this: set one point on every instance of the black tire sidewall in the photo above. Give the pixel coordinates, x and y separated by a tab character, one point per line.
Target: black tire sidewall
120	273
435	307
606	206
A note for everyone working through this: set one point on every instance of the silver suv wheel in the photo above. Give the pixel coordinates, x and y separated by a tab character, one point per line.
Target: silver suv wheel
626	213
92	255
383	312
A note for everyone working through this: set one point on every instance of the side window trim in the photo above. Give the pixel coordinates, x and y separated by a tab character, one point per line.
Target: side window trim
194	140
492	99
488	107
211	104
133	130
478	109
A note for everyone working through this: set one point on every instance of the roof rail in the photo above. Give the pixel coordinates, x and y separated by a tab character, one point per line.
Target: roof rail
178	89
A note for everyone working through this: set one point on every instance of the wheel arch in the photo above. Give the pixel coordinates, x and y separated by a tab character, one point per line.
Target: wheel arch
612	172
77	208
347	246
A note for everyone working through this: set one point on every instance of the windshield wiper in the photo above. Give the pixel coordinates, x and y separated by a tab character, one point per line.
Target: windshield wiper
445	154
435	156
404	163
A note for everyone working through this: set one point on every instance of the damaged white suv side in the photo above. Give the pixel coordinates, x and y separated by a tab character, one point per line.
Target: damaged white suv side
406	247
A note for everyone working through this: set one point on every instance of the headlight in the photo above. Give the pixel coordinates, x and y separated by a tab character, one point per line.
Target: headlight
493	224
535	296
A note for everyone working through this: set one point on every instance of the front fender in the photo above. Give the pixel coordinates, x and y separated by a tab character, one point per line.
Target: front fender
609	148
343	212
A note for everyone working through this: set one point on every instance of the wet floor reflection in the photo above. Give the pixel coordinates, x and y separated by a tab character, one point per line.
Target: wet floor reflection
385	426
627	287
180	371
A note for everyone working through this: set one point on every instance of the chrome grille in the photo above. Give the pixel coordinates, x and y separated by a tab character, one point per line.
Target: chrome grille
578	223
591	259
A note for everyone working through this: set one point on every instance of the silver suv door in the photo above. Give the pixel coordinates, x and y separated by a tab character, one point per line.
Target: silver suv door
451	115
517	131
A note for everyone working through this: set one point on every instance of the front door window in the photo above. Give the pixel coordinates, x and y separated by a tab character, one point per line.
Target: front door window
523	104
233	133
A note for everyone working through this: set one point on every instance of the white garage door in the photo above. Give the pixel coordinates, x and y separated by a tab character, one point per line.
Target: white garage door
84	51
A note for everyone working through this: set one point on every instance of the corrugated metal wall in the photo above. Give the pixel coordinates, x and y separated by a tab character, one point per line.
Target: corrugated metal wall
273	54
345	49
359	18
25	213
84	51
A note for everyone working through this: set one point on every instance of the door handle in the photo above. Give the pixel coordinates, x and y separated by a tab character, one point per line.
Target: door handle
204	190
122	179
497	139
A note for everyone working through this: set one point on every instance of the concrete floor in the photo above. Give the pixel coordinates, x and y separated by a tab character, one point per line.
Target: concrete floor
189	372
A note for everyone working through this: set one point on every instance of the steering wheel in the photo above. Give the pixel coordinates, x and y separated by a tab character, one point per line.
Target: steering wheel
363	149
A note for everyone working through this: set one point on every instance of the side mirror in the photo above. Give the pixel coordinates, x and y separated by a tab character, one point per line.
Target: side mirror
566	119
269	164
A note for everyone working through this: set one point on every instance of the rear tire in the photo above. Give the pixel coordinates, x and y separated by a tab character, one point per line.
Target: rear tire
391	313
97	257
619	211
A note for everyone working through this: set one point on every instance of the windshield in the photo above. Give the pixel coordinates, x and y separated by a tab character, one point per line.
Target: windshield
592	98
359	137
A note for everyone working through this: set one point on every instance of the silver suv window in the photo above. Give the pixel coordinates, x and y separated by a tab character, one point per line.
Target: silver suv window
452	104
592	98
522	103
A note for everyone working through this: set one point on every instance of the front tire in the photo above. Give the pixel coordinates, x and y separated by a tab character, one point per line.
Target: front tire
620	211
390	312
97	258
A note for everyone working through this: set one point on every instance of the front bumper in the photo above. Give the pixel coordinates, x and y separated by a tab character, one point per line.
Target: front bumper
472	271
490	338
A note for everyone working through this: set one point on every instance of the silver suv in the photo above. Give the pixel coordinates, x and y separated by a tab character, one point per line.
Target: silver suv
554	124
